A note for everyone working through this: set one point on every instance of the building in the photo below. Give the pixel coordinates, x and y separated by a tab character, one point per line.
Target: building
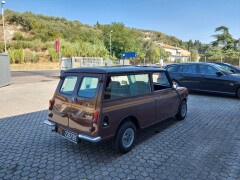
176	53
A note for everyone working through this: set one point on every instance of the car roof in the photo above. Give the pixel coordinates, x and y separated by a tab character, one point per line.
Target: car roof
187	63
114	69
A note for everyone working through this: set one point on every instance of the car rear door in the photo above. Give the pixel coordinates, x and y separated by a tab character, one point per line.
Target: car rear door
84	111
187	75
63	99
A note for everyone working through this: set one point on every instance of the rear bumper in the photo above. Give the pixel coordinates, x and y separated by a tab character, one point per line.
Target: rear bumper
80	136
49	123
90	139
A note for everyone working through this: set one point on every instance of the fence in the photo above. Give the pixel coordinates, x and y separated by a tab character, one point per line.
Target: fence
5	74
76	62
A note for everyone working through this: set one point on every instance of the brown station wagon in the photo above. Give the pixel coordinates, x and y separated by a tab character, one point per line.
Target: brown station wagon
98	104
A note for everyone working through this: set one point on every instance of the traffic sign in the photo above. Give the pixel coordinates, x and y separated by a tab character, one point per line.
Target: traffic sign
129	55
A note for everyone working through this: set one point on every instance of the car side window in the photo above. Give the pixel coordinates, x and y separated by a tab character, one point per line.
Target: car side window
139	84
160	81
88	87
68	85
124	86
117	87
172	68
205	69
189	68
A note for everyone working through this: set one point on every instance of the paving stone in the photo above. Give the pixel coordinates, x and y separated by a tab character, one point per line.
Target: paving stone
203	146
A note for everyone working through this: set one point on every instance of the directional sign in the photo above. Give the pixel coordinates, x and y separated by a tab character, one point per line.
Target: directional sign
129	55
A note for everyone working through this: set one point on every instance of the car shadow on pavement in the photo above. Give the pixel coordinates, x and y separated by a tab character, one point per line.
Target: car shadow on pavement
29	131
149	132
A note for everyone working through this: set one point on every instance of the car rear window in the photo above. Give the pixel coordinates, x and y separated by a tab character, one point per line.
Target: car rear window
68	85
88	87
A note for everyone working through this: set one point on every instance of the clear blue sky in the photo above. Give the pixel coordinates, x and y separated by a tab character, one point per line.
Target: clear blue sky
185	19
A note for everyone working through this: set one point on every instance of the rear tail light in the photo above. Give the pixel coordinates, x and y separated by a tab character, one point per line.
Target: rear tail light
51	103
95	116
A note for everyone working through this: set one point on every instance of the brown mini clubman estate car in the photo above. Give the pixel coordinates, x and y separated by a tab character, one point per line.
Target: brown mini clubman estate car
98	104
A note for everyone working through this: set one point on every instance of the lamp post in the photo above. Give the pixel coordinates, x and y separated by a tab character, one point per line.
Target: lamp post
161	61
4	37
111	45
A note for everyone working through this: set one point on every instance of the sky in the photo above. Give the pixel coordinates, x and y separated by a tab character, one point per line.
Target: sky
184	19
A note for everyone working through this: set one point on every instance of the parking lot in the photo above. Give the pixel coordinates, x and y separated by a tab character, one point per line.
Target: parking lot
206	145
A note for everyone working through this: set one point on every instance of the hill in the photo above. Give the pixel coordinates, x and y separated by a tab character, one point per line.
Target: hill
30	38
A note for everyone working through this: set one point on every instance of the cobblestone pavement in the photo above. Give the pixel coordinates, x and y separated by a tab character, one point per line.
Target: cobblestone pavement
206	145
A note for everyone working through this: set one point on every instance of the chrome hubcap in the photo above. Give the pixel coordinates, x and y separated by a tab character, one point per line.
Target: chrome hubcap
128	137
184	110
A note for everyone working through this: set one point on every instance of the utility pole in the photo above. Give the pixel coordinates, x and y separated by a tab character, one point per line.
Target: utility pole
4	36
110	45
161	61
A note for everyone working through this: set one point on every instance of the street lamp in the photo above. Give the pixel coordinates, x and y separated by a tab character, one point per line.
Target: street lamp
111	44
5	46
161	61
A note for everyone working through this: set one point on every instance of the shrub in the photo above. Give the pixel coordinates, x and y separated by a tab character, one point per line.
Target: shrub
16	56
18	36
53	55
30	56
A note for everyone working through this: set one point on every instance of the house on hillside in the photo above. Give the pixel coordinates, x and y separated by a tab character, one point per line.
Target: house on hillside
176	53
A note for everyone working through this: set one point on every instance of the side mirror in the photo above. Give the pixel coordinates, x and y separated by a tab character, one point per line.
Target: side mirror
174	86
219	73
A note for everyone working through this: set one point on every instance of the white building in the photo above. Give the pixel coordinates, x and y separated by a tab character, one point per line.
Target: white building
176	53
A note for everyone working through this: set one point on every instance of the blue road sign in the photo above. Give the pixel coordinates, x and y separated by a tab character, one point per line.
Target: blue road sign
129	55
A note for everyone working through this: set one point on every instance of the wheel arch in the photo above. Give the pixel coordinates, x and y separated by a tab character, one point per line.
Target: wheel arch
238	92
131	118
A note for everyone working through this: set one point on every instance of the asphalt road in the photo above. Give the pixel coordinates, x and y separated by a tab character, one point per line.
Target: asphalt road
46	73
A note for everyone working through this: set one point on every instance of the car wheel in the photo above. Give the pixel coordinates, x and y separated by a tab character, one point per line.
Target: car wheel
125	137
182	111
238	92
176	83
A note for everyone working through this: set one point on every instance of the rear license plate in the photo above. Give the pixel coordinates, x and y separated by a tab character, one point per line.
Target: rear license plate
68	135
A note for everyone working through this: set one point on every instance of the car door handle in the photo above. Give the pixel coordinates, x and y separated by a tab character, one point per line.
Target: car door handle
157	98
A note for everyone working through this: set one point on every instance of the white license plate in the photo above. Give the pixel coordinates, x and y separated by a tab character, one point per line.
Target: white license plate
68	135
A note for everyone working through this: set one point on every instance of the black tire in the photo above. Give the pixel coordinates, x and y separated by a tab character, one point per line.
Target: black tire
238	93
175	82
129	132
182	111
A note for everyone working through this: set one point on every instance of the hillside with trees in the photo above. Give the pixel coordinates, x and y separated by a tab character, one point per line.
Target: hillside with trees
31	37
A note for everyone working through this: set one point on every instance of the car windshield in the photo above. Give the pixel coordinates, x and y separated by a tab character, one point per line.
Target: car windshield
224	69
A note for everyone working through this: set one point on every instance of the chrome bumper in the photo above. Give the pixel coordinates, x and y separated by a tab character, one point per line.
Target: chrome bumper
90	139
49	123
80	136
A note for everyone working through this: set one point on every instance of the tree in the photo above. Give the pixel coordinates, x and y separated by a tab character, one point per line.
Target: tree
225	39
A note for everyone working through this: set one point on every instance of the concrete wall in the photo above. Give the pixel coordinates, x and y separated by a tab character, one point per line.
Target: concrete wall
5	74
